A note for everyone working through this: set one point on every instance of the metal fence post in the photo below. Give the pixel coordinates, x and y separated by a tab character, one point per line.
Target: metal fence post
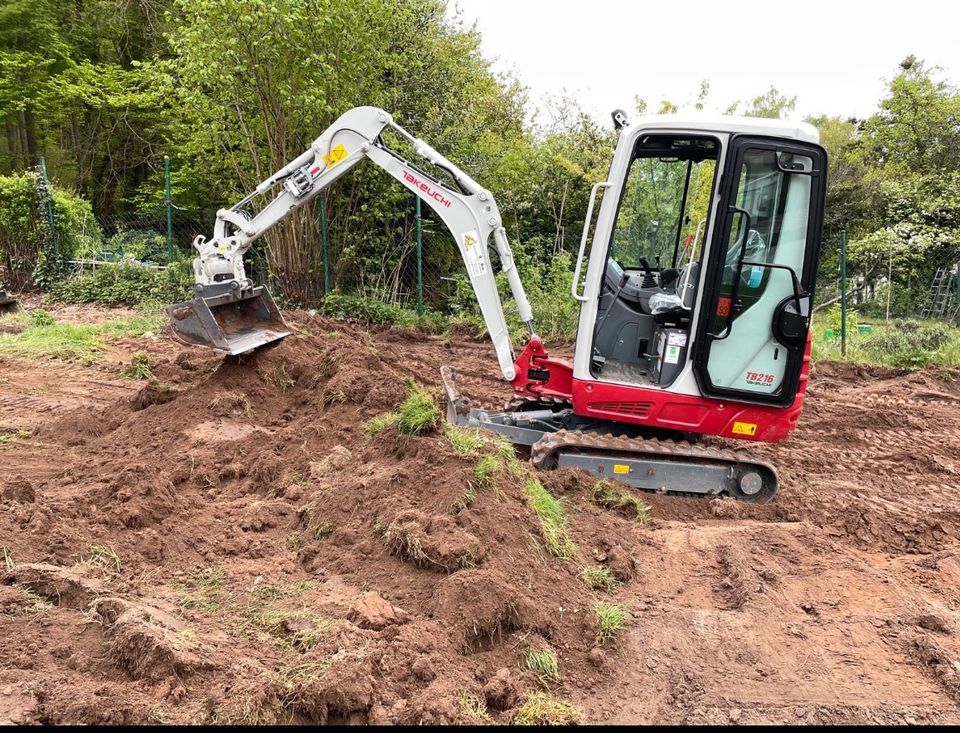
419	261
50	220
324	245
168	203
843	293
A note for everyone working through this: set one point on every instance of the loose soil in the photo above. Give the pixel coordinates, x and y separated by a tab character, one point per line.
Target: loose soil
226	544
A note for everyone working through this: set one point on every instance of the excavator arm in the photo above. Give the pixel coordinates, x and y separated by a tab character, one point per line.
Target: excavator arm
469	212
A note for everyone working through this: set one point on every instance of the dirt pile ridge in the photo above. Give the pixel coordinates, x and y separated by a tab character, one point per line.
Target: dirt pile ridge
227	543
238	550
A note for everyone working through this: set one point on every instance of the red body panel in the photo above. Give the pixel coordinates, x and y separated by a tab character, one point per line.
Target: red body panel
654	407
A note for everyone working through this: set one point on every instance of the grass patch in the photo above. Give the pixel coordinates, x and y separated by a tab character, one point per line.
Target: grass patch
553	520
418	414
404	543
268	592
464	501
376	425
324	530
611	495
486	470
103	557
611	619
12	436
464	441
901	343
541	708
141	367
44	339
543	663
203	590
231	402
504	449
158	715
35	602
473	708
302	628
598	578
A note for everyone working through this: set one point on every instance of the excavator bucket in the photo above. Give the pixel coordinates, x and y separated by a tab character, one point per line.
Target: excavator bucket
8	304
229	322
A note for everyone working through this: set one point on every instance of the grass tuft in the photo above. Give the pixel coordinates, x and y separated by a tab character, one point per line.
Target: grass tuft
141	367
376	425
158	715
473	707
203	590
541	708
465	500
611	620
486	470
542	662
553	520
611	495
464	440
598	578
418	414
8	562
35	603
303	628
506	452
102	557
12	436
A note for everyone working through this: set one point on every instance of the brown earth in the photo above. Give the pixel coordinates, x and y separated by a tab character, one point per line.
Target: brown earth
229	546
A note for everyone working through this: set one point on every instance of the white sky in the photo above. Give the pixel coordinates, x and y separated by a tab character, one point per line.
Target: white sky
833	56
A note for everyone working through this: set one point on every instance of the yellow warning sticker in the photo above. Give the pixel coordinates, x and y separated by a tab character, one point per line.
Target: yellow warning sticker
621	468
335	156
744	428
469	240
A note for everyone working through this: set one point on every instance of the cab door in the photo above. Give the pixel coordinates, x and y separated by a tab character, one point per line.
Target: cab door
761	271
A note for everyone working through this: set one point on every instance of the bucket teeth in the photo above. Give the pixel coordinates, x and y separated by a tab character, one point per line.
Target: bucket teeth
229	322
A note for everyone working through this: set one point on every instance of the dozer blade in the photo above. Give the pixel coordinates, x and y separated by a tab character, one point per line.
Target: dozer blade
8	304
229	322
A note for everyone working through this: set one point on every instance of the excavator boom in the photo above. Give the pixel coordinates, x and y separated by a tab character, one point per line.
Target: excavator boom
232	316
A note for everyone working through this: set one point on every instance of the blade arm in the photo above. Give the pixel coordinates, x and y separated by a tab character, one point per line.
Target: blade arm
471	214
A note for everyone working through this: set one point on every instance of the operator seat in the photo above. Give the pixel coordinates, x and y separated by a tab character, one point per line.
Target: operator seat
680	315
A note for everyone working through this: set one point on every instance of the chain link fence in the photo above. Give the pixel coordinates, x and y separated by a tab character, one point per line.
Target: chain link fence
416	267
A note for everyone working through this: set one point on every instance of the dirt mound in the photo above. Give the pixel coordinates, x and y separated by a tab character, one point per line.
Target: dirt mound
373	579
228	543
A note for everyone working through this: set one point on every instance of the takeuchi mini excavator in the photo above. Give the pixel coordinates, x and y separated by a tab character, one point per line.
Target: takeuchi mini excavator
694	297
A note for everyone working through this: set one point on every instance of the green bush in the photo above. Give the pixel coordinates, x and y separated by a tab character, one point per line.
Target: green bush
907	343
119	284
144	245
546	280
831	318
371	310
23	223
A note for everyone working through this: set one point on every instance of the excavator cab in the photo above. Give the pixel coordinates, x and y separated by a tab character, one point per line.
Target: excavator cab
703	265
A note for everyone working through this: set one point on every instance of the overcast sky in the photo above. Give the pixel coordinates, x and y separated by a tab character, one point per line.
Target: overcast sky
833	56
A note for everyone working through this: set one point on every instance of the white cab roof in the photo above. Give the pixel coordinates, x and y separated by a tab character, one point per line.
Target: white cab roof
793	129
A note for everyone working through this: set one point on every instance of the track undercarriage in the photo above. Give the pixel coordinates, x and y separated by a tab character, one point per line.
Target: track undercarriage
662	463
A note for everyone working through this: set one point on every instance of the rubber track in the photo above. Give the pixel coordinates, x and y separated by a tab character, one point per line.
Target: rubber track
550	445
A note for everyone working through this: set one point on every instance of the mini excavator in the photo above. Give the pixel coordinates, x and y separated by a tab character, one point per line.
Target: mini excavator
695	295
